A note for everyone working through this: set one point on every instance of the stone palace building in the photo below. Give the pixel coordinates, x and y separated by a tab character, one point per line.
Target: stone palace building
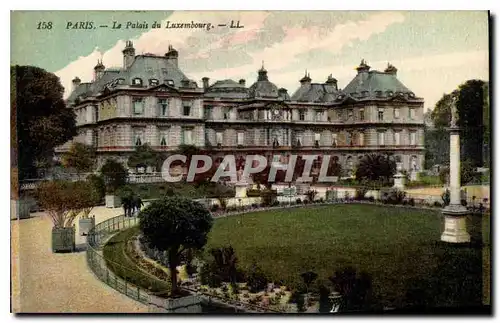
150	100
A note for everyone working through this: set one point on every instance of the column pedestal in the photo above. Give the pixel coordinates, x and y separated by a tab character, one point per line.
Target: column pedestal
455	224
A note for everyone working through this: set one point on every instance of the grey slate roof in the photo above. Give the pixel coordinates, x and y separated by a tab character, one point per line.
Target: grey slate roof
263	88
145	67
374	84
315	92
227	89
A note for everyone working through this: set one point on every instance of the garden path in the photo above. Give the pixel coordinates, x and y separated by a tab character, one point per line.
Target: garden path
44	282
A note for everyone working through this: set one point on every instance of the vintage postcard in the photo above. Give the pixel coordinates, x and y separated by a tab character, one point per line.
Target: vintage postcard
330	162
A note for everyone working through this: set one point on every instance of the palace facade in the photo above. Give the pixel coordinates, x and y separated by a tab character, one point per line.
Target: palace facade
150	100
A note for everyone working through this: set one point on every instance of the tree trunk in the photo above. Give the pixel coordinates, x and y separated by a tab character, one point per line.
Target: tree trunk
172	265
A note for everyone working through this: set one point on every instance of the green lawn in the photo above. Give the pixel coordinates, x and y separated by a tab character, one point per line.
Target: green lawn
399	248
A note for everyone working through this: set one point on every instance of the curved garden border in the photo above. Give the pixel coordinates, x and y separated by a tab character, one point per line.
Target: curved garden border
102	232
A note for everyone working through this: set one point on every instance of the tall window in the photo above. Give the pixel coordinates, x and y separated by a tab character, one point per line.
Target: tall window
298	139
187	136
163	140
138	141
138	104
397	139
186	110
334	140
163	107
396	113
219	137
380	114
302	114
412	113
381	138
285	139
317	139
339	115
208	112
348	139
240	138
361	140
413	138
268	136
362	114
318	115
350	115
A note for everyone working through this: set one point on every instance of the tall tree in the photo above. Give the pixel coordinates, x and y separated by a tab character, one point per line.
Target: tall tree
80	157
470	107
114	174
375	168
175	224
145	156
42	120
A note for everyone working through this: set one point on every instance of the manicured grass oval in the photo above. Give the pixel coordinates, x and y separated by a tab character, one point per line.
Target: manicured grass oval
400	248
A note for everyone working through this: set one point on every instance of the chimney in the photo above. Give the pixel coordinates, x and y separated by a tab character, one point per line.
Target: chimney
363	67
128	54
205	82
242	82
391	69
306	79
75	82
172	56
331	81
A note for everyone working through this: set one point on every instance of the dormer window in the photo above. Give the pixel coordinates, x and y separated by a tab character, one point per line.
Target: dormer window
169	82
390	93
137	81
378	93
411	95
164	71
120	81
153	82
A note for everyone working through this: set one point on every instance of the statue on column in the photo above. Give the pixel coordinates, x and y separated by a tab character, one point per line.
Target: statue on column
454	112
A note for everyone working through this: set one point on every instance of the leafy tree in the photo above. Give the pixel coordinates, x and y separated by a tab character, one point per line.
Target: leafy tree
174	224
225	260
375	168
98	185
301	303
145	156
64	200
467	173
437	147
42	121
189	151
81	157
114	174
470	107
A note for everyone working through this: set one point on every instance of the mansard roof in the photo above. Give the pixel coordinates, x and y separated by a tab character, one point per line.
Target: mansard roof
315	92
227	89
144	67
376	85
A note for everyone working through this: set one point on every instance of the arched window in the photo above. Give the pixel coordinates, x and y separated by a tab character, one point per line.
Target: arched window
163	141
153	82
138	141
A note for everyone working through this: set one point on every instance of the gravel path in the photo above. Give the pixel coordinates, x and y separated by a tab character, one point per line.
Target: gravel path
44	282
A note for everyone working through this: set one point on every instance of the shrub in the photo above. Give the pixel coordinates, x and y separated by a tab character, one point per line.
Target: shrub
311	195
209	277
371	199
411	201
446	197
360	193
301	304
256	279
298	201
321	200
437	204
396	196
114	174
98	185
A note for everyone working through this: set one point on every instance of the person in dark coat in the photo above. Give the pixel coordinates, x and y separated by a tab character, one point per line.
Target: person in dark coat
137	204
127	206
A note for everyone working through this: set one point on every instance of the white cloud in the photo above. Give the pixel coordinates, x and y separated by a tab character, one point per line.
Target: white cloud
428	76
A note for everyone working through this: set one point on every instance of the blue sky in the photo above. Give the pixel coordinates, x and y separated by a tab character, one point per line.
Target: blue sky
434	51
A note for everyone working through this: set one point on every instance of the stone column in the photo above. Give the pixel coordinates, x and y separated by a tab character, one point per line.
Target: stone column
455	221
